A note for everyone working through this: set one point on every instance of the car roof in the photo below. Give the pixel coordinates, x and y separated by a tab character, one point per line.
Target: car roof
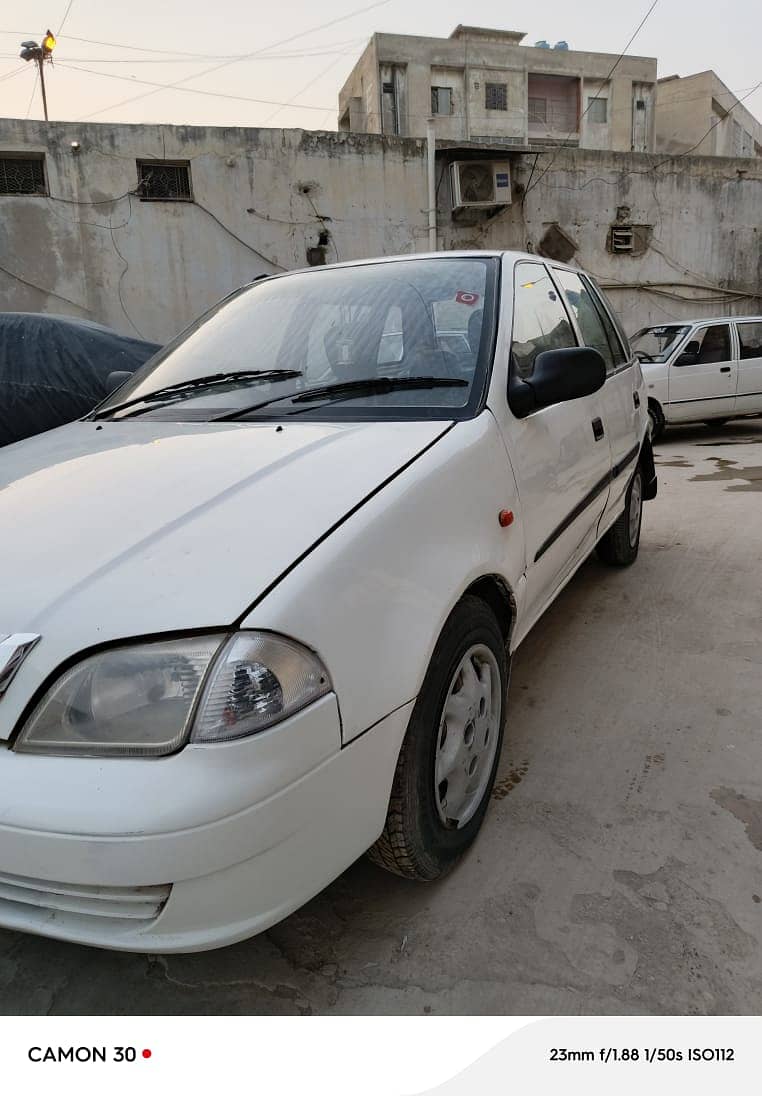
480	253
700	320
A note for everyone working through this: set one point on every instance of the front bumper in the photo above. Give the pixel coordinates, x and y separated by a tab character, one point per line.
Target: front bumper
193	851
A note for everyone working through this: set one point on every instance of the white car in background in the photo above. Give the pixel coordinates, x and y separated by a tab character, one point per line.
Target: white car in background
703	371
256	622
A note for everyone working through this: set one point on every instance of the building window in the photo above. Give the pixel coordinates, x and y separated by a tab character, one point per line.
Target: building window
164	181
441	100
496	96
22	174
538	110
598	110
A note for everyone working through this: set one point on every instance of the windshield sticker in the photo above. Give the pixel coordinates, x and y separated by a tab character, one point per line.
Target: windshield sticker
462	297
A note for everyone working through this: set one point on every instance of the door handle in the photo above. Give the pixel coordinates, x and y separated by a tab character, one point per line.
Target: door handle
725	369
636	398
598	430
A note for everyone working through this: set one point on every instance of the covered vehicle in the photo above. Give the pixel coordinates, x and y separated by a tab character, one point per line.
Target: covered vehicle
53	369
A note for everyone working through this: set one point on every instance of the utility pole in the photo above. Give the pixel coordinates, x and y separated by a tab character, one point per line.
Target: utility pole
31	51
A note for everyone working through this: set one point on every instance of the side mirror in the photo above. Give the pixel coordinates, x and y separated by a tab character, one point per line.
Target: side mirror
116	380
558	376
690	355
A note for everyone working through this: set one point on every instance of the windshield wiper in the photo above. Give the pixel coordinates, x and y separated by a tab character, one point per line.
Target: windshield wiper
172	392
347	390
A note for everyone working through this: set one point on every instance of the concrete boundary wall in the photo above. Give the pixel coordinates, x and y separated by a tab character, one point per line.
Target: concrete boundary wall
266	200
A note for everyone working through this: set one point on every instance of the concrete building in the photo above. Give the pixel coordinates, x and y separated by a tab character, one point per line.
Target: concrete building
700	114
481	84
144	227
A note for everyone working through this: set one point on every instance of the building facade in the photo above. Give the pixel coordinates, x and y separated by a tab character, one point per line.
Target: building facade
145	227
699	114
484	85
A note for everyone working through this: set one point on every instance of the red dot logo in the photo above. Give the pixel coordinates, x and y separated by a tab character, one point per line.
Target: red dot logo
146	1054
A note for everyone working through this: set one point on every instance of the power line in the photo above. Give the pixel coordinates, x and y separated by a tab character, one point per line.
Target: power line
300	92
176	87
31	97
233	60
603	83
65	17
185	60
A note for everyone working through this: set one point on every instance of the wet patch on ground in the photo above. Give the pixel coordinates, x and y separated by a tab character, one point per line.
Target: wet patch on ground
505	786
732	470
748	811
676	462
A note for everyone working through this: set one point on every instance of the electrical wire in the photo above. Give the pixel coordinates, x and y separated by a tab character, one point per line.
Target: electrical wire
65	17
41	289
31	97
13	72
719	121
233	60
301	91
176	87
270	262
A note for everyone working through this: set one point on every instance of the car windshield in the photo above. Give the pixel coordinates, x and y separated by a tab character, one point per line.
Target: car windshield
655	344
404	339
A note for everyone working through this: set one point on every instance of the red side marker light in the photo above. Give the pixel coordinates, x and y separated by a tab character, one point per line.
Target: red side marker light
505	517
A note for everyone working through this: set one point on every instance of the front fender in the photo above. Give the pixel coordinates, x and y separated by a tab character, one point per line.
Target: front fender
372	597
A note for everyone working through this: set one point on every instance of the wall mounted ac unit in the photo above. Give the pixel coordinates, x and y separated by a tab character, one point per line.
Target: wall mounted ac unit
479	184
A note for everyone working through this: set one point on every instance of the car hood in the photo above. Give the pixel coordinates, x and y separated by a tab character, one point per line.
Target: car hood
125	529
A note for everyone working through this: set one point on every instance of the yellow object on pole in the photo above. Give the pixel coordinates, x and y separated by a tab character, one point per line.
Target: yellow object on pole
48	43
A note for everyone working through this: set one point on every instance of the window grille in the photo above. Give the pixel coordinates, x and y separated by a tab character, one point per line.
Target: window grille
22	175
164	181
496	97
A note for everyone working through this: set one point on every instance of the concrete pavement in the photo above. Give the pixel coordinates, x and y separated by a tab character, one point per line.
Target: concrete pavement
620	867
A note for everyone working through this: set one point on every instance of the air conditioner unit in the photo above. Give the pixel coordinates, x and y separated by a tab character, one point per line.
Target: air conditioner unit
480	184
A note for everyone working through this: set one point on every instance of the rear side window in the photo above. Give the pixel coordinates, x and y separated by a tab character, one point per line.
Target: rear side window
750	338
589	316
540	321
620	346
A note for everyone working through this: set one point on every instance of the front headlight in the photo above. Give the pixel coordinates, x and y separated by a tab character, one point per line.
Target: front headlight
147	700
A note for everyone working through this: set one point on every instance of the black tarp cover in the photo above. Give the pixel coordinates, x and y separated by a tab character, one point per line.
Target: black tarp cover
53	369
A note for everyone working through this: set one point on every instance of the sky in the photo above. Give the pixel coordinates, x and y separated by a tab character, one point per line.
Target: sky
282	64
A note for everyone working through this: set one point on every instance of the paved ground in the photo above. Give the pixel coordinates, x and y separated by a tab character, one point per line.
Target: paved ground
620	868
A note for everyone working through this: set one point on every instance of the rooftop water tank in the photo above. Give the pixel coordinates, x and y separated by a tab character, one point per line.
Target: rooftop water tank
542	44
561	45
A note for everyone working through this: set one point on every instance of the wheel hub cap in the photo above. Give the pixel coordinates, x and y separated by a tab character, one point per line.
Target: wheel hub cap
468	736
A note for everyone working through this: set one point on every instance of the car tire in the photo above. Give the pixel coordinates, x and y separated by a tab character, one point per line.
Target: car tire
452	744
656	420
619	546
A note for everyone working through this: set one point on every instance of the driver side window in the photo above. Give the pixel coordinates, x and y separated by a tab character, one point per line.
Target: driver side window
540	321
713	344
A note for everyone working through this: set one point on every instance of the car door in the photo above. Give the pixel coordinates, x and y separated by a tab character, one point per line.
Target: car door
703	375
620	397
560	454
749	388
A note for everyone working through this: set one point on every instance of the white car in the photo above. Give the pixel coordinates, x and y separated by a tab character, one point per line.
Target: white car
254	625
704	371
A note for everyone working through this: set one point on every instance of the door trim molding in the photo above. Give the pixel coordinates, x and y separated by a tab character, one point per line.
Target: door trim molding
614	473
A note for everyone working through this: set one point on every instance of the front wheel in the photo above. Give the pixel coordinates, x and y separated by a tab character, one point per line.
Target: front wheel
449	758
619	546
656	420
